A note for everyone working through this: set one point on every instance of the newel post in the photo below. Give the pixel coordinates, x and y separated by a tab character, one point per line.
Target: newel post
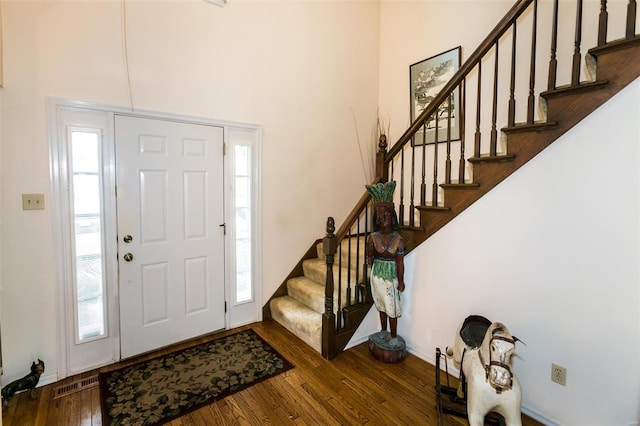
382	171
329	318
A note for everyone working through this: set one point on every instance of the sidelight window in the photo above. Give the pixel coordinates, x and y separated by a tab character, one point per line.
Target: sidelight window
88	242
243	229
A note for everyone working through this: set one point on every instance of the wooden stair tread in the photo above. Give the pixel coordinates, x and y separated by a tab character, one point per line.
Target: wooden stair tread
579	88
452	185
492	158
614	46
434	208
525	127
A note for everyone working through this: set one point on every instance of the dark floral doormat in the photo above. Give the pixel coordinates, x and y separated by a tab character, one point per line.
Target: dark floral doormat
158	390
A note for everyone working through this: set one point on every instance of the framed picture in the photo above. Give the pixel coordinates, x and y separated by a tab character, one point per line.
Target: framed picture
427	78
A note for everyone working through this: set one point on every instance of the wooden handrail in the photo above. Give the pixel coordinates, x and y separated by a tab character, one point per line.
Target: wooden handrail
348	222
464	69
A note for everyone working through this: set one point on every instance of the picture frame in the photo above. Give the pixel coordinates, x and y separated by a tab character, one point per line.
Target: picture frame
427	78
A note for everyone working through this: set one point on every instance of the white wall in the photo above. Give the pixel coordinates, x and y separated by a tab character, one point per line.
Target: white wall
301	70
553	253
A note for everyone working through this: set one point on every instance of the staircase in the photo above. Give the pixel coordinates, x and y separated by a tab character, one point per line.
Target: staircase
324	299
300	310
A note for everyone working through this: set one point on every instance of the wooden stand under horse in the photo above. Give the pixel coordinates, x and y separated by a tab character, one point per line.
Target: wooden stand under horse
482	351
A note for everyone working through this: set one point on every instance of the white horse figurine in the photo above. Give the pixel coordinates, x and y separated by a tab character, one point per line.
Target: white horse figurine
482	351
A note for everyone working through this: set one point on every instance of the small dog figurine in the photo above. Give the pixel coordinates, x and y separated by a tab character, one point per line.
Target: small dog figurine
28	382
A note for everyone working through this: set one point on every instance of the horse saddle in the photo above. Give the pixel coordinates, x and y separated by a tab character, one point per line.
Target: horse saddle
473	330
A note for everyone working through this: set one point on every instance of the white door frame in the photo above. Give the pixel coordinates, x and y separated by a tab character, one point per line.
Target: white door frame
237	314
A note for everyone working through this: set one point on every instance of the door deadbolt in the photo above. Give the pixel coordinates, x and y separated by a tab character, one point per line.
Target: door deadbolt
127	238
128	257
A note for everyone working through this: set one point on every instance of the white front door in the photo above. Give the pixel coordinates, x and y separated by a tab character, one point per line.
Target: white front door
170	231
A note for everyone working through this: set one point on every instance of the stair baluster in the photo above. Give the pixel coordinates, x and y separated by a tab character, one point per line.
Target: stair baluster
493	147
447	164
436	143
477	146
401	205
412	185
531	104
329	318
511	120
462	165
575	71
553	62
631	19
423	182
602	23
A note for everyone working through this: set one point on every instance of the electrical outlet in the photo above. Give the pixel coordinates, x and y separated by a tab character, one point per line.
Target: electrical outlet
32	201
559	374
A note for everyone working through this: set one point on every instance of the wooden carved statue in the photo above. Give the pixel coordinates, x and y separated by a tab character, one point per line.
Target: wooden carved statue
385	255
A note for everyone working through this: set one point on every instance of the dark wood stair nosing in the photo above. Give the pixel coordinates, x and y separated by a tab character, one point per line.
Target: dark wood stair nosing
455	186
614	46
535	127
502	158
442	209
584	86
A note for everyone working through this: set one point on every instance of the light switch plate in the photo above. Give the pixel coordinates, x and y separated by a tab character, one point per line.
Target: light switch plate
32	201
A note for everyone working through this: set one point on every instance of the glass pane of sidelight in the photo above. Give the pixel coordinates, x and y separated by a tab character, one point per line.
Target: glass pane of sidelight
88	242
242	221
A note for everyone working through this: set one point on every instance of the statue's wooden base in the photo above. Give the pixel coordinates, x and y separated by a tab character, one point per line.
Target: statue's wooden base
386	349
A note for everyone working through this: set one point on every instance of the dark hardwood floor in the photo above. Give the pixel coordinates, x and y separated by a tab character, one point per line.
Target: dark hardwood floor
353	388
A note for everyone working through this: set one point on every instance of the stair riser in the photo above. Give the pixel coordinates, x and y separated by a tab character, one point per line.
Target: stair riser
615	66
317	271
357	249
305	324
312	295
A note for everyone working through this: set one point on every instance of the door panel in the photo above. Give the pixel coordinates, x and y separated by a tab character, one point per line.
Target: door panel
170	201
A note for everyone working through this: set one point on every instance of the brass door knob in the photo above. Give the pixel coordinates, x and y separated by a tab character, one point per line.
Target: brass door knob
128	257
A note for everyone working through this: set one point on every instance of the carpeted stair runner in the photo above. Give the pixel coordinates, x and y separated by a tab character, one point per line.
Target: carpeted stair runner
300	311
